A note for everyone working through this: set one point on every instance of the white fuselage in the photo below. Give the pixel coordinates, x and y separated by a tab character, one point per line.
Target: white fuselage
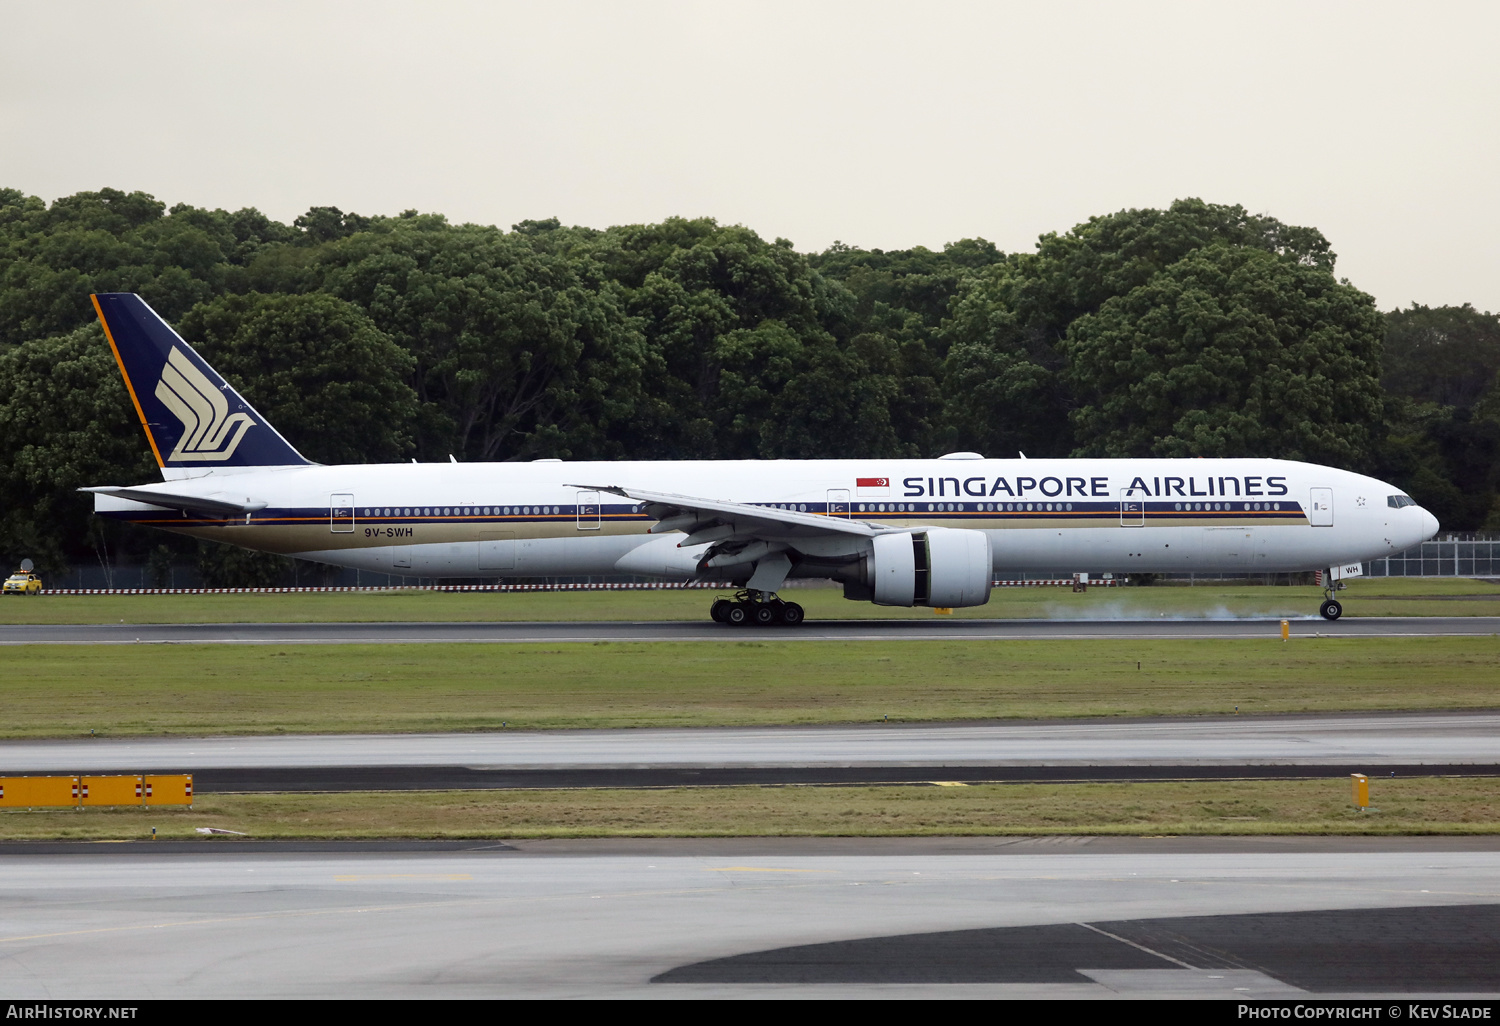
532	519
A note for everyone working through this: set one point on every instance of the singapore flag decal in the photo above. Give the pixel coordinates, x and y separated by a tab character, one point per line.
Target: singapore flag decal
873	487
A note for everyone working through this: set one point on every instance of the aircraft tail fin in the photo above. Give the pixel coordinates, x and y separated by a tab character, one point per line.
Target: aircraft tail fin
193	418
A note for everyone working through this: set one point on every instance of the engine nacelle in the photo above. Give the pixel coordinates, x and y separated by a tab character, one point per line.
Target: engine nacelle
936	567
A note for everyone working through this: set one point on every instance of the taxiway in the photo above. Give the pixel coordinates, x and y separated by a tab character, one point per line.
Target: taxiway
689	630
1376	739
1202	747
1068	917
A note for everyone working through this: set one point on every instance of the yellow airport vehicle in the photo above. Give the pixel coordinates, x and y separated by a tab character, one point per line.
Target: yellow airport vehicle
23	581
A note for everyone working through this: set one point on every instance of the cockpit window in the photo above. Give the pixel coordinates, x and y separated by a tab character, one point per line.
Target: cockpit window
1397	501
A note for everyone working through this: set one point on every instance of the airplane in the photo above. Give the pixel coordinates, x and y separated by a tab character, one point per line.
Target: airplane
895	532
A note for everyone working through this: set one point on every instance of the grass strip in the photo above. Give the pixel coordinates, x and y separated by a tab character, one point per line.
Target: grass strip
1373	597
1414	805
62	690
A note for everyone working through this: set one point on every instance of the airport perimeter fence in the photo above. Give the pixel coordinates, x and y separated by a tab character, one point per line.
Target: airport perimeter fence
1474	555
573	586
1453	556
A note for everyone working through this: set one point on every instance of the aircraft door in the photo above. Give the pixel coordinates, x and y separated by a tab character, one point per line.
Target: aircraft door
838	502
1132	508
341	513
589	511
1320	508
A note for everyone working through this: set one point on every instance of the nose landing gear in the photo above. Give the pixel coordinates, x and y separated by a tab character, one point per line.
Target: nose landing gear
763	609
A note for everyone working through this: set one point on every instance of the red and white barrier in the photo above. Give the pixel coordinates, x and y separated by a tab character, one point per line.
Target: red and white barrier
1053	583
602	586
644	586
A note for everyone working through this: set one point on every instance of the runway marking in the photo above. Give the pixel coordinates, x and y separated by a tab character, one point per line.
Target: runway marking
1139	947
355	877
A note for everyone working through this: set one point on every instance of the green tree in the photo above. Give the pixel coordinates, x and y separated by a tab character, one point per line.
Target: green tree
1004	372
757	353
785	397
900	299
325	224
65	422
916	281
1229	352
1447	355
52	258
693	285
1442	439
520	352
316	367
228	566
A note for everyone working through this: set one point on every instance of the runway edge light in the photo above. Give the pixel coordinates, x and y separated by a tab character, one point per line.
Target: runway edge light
1361	785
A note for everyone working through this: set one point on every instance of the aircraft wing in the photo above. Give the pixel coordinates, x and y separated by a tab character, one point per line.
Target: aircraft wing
222	503
704	520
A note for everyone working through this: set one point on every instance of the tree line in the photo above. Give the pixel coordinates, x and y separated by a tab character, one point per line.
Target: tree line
1199	330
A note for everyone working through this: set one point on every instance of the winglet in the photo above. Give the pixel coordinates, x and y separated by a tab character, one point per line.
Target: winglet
192	417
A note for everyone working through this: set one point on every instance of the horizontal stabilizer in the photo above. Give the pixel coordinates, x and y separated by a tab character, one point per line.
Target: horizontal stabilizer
223	503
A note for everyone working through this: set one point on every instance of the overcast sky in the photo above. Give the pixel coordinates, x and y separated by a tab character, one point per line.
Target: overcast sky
880	124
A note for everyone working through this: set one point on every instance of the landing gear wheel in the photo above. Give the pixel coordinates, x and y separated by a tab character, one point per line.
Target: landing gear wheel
1331	609
764	614
720	610
791	614
737	615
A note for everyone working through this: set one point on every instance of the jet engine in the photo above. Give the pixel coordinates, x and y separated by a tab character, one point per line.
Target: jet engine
937	567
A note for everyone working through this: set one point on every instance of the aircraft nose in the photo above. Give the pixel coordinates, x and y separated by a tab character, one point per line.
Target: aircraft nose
1429	524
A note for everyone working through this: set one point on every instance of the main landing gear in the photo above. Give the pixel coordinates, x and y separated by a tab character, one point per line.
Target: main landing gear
758	608
1332	608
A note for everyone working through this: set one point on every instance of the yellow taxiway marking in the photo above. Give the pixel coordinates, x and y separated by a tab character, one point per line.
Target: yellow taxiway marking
947	783
760	869
353	877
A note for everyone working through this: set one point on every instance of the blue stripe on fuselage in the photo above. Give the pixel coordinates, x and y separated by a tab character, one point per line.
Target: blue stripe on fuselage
1155	512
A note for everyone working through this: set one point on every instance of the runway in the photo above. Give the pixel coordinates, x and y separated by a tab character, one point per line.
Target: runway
249	780
1067	750
936	629
1230	918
